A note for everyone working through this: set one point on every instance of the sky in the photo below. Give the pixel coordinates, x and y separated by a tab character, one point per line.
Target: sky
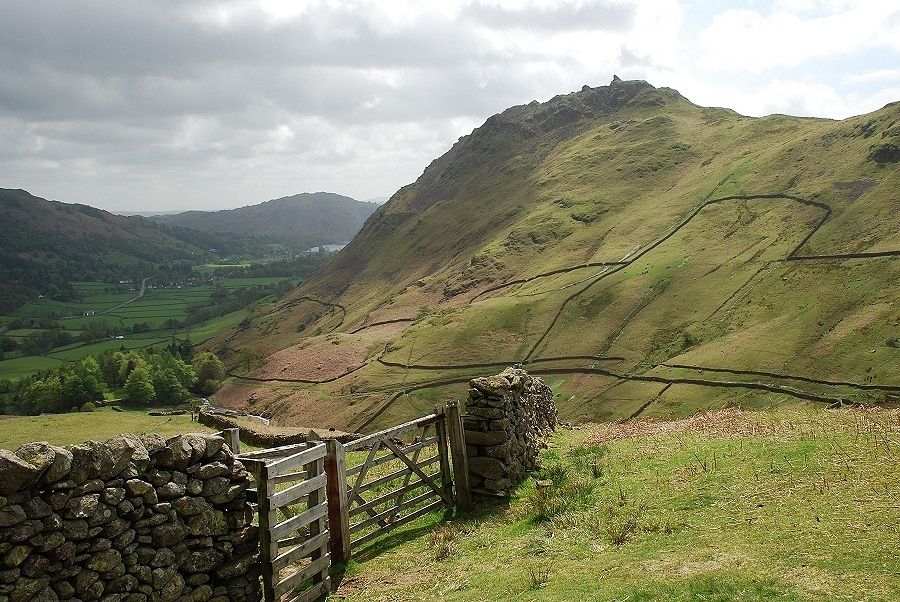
161	105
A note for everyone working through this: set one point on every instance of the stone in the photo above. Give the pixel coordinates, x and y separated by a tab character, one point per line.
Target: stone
53	462
152	442
235	567
16	555
168	534
21	532
11	515
113	495
170	491
202	561
27	588
64	589
84	580
120	451
85	462
208	522
104	561
16	473
486	438
90	486
490	468
190	506
171	589
35	566
137	487
208	471
58	499
82	507
52	541
488	413
215	486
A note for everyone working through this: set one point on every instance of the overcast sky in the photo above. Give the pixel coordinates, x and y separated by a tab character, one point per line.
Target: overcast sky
171	104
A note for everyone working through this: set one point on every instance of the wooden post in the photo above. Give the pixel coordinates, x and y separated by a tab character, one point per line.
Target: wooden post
313	470
268	549
457	435
440	428
233	439
338	502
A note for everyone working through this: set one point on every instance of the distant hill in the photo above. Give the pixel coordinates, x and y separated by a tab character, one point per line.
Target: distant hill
44	245
302	220
648	255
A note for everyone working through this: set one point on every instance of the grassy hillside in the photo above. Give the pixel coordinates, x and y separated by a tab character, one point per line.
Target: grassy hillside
784	505
48	244
303	220
651	256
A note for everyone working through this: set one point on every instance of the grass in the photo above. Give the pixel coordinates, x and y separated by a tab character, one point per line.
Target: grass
23	366
103	423
786	505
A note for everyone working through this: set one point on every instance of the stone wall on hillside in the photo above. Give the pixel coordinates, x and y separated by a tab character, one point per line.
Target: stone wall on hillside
507	418
131	519
216	418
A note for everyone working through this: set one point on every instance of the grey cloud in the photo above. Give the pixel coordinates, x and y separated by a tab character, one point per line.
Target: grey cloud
592	15
149	90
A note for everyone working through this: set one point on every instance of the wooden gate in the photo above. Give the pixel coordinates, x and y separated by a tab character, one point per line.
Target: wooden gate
363	489
394	476
294	554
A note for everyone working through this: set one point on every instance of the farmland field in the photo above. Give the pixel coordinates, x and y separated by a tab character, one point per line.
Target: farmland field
65	429
113	316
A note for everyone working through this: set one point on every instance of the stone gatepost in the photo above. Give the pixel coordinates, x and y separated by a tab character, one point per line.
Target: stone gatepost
508	416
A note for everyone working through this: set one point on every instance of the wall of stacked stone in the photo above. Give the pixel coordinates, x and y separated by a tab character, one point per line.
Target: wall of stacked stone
131	519
251	436
507	418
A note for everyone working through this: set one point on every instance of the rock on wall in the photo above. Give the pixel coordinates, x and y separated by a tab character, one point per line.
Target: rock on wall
131	519
507	418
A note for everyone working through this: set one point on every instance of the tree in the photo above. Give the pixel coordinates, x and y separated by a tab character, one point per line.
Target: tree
138	387
44	395
210	372
88	369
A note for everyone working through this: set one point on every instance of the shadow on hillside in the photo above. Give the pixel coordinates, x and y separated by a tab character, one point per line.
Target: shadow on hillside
484	507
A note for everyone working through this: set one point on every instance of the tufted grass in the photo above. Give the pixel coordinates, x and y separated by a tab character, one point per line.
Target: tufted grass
781	505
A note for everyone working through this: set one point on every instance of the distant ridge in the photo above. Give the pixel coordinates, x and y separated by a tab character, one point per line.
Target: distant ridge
44	245
304	220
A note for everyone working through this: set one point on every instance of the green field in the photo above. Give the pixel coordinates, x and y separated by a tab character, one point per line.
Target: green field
23	366
786	505
153	313
65	429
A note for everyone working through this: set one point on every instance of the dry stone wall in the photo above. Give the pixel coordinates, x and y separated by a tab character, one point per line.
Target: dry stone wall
507	418
131	519
216	418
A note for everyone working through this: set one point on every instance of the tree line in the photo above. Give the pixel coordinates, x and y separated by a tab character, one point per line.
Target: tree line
166	376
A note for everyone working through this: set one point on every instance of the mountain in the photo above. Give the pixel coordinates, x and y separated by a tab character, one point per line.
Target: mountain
303	220
647	255
48	244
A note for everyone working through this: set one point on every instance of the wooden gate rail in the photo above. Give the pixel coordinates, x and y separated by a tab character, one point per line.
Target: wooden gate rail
291	480
405	474
396	482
